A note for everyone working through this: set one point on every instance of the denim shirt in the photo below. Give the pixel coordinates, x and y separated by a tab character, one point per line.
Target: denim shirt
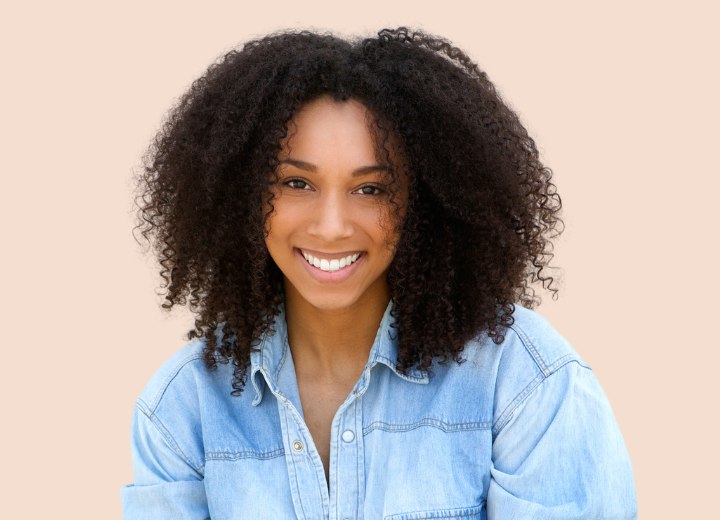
520	430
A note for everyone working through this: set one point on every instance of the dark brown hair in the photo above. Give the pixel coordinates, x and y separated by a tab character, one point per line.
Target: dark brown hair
481	213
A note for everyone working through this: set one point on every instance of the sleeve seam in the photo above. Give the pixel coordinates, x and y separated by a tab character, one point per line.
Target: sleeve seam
529	389
163	388
167	436
530	347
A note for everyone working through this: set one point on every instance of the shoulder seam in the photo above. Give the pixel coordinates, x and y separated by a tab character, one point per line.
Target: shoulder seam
546	370
152	406
530	347
526	392
172	443
538	359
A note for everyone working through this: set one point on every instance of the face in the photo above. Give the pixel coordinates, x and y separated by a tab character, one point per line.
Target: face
331	232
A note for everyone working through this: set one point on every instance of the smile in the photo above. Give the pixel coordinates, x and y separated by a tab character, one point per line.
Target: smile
330	264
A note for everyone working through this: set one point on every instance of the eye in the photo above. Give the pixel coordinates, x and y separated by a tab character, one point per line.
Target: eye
297	184
371	189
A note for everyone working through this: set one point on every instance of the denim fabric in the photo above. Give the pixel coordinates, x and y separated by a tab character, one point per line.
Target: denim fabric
520	430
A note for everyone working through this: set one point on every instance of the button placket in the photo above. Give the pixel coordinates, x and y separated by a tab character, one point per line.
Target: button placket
345	496
309	499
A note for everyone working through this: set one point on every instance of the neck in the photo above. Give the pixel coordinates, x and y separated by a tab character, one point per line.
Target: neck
332	345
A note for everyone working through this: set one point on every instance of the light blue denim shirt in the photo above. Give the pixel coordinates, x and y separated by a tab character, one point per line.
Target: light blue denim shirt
521	430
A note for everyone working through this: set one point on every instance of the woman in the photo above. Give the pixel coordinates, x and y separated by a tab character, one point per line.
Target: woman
353	224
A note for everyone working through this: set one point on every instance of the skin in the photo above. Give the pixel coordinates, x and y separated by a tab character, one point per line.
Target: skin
331	200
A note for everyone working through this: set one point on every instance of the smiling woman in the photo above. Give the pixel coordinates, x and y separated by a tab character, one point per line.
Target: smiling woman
357	225
325	232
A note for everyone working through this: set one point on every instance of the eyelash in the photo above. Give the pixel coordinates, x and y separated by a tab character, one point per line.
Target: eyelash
379	191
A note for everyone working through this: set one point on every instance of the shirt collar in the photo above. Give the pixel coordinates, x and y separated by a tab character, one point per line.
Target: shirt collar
272	357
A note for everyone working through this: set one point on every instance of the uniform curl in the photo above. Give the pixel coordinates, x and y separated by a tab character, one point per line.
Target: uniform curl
476	232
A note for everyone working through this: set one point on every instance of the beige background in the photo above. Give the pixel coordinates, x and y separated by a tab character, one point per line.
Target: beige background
620	96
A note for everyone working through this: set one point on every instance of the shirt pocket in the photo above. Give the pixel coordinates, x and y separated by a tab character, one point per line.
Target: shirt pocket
429	469
465	513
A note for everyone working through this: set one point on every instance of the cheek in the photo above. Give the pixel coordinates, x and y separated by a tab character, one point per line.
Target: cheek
278	218
275	235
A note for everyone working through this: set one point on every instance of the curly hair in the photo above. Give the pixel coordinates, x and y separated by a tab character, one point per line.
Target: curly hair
477	228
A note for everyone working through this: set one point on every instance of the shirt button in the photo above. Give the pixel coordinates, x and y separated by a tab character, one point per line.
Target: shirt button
297	446
348	436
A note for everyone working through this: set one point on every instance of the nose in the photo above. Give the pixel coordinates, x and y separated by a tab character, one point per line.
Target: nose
331	218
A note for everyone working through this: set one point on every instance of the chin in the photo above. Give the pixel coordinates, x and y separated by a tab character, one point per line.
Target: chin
331	303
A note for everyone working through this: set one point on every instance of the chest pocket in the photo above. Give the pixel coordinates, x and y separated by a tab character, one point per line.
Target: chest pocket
427	471
465	513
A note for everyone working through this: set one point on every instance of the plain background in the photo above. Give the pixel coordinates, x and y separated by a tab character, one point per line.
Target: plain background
621	98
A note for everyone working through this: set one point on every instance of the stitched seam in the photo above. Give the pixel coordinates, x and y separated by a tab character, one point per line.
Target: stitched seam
517	401
286	349
169	439
530	347
563	360
246	454
435	423
507	414
391	366
449	513
292	461
169	379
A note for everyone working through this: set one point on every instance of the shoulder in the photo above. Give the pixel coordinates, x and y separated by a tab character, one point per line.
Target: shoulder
182	388
531	347
532	339
174	401
178	375
532	352
549	407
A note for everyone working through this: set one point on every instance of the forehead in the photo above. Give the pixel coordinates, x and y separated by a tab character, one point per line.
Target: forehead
326	128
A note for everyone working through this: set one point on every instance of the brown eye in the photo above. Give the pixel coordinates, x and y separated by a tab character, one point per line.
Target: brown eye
371	190
297	184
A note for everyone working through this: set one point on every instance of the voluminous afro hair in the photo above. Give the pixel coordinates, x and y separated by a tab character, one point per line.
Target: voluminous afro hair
477	227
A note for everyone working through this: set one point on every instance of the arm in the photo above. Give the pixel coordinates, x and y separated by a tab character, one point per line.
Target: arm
167	484
560	454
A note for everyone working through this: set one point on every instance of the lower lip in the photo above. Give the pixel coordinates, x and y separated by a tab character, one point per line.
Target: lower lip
330	276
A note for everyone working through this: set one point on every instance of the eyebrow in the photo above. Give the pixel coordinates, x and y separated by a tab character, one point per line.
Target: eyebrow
363	170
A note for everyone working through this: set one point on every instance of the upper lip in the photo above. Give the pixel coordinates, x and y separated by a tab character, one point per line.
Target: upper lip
329	256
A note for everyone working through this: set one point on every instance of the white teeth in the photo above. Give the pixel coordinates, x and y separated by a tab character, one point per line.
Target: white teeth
330	265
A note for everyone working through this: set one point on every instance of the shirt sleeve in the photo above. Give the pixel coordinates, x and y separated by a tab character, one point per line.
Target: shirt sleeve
167	485
561	454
